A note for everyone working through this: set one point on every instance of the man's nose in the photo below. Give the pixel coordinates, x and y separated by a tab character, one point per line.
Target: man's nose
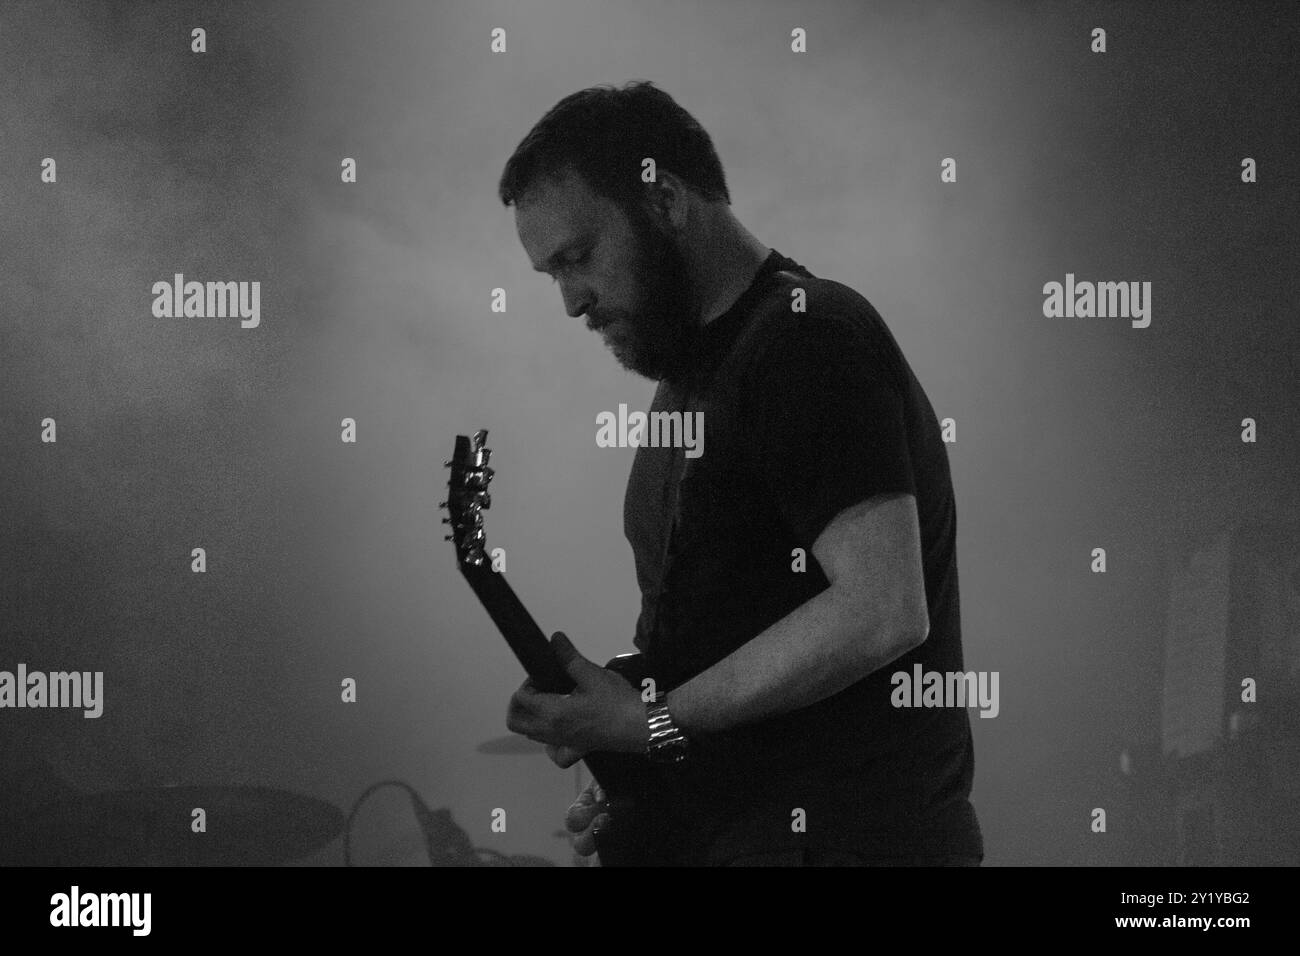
576	303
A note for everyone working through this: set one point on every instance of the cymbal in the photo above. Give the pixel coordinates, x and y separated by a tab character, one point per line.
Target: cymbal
511	745
244	826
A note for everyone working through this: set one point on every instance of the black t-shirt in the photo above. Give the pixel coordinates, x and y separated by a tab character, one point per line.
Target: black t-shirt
805	414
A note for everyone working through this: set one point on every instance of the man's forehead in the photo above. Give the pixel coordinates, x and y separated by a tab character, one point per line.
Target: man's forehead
555	211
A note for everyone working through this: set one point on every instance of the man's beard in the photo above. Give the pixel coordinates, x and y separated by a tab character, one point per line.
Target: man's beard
659	338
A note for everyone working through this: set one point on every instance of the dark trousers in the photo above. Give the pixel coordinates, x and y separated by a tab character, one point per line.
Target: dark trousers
817	857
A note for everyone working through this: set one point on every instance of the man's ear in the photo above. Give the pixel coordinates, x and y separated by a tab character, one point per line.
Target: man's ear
668	200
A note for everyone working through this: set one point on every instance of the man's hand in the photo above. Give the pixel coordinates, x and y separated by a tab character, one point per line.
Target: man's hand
603	712
585	814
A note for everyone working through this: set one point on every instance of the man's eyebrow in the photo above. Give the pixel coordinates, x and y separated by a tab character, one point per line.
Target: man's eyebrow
564	249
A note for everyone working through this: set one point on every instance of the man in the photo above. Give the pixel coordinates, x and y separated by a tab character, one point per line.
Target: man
788	571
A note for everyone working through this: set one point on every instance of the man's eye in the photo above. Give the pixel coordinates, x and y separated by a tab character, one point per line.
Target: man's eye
579	260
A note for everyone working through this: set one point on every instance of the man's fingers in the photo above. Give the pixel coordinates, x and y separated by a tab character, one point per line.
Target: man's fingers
522	712
582	812
579	818
581	815
571	659
584	844
591	793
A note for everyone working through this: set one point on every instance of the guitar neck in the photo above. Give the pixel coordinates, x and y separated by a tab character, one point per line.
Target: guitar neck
518	628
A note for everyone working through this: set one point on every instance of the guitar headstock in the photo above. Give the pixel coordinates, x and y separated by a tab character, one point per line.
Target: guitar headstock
467	496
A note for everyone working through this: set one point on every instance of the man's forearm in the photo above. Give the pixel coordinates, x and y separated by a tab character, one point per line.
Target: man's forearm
818	649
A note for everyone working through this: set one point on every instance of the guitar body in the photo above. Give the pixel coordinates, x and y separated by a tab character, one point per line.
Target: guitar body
640	795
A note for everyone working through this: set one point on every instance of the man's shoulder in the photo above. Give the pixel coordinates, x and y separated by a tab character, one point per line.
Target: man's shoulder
817	295
808	318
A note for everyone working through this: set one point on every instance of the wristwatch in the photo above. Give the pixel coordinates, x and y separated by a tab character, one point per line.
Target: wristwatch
667	744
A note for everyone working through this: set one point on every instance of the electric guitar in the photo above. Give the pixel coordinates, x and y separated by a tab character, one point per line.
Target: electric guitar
639	794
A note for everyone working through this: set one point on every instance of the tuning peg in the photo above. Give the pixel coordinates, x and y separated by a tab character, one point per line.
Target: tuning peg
446	521
446	537
486	501
442	504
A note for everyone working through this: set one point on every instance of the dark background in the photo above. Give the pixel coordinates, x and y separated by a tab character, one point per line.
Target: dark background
326	560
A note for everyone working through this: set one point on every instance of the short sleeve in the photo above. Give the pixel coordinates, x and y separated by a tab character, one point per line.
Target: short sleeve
829	414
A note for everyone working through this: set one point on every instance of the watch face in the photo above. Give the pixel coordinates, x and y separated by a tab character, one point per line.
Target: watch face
670	751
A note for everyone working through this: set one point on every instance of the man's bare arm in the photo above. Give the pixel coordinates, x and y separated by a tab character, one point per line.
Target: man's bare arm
873	612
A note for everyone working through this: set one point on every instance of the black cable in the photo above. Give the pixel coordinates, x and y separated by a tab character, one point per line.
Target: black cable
446	843
347	827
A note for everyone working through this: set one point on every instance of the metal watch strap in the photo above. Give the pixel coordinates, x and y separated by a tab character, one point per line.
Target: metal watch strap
667	743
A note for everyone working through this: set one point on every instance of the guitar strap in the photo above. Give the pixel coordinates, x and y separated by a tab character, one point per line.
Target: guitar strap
673	483
671	499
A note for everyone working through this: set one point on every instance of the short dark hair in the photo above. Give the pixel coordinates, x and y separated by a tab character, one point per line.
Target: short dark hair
604	133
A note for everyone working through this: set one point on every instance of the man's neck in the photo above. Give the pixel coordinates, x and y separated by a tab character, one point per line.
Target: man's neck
728	260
